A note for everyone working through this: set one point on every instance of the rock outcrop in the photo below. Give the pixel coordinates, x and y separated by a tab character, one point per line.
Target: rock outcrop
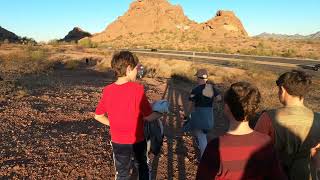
75	35
225	23
147	16
150	18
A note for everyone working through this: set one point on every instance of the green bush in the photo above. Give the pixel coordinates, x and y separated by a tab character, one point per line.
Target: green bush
86	42
54	42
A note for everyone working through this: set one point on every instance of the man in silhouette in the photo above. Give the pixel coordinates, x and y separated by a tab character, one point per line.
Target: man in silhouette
294	128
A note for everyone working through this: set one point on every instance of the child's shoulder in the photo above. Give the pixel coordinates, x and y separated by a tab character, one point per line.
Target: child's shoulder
128	84
136	85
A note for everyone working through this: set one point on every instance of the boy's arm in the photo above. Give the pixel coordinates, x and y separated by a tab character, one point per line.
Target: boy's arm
146	109
153	116
315	155
102	118
217	95
101	110
189	108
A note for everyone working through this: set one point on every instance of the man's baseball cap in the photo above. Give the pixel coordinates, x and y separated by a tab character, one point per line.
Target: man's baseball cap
202	74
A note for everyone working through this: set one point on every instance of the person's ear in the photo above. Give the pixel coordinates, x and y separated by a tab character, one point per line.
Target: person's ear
283	91
128	70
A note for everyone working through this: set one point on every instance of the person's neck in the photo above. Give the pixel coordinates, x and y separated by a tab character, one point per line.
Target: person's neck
201	82
122	80
239	128
294	102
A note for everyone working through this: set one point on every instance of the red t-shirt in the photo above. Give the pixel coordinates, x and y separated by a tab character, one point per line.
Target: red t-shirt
125	106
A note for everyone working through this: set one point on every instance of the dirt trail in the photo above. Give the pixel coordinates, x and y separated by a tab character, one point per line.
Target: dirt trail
50	133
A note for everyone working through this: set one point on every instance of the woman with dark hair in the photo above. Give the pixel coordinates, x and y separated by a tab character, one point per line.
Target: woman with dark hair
241	153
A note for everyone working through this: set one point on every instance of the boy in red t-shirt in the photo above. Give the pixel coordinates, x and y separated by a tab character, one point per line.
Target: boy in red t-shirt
126	106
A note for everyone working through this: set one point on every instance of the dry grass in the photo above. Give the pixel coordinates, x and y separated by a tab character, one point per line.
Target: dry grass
28	60
72	64
248	46
21	61
166	68
224	76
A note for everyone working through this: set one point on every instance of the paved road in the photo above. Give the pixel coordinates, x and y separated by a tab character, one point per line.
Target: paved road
277	64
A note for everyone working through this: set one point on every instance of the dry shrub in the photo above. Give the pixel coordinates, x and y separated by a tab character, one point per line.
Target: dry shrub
72	64
104	64
21	93
16	64
25	62
87	43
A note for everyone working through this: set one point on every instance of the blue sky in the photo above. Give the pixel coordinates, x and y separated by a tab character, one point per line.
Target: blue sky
52	19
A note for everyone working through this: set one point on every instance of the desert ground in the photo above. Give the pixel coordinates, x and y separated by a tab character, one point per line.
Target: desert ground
48	96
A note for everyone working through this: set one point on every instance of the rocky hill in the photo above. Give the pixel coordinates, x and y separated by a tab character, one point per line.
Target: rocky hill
8	35
149	18
75	34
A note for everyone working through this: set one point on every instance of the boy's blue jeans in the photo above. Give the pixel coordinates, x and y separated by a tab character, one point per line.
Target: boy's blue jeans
123	154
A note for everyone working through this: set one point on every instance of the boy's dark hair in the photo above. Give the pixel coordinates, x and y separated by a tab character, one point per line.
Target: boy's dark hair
296	83
121	60
243	100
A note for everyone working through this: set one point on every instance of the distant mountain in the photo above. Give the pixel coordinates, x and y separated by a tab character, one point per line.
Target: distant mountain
75	35
315	35
8	35
285	36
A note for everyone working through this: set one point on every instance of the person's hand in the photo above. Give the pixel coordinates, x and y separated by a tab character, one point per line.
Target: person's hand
164	119
182	115
315	155
218	98
315	149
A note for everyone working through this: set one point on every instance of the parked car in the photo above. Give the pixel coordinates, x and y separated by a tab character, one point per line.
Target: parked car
316	67
154	50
